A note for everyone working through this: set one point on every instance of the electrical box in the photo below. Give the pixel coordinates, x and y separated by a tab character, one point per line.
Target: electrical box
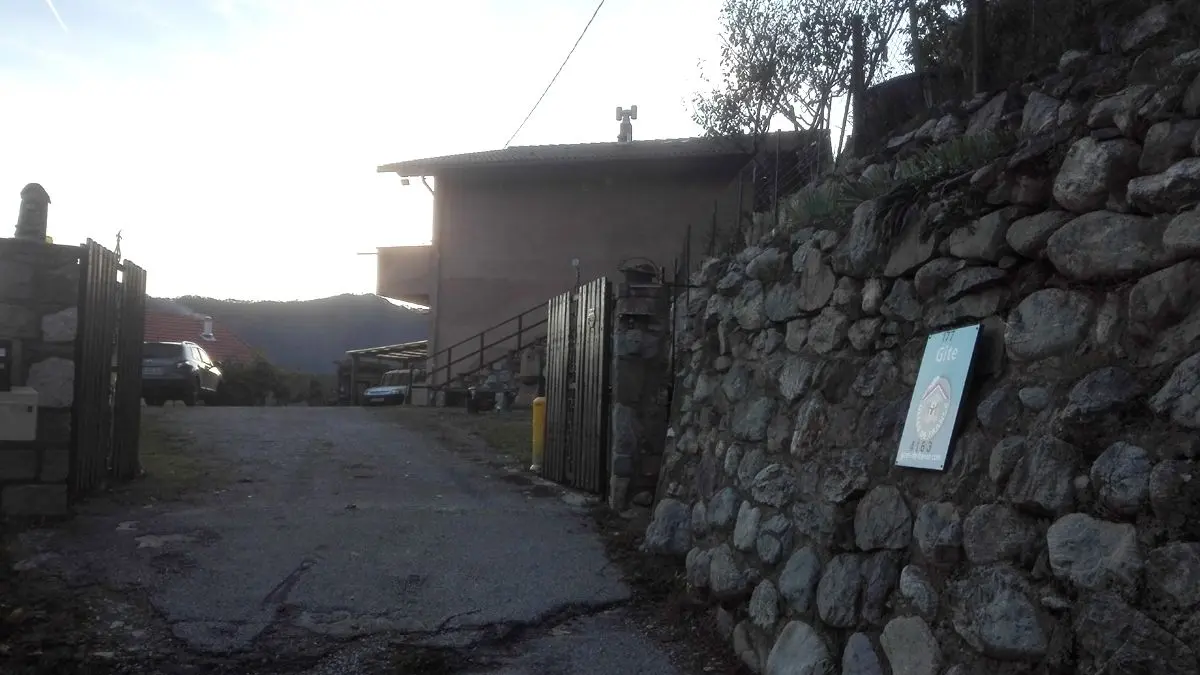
18	414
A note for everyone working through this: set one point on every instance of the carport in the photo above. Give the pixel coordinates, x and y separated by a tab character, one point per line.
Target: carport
363	367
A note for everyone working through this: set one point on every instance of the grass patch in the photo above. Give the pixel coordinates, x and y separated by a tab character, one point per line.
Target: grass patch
508	432
172	468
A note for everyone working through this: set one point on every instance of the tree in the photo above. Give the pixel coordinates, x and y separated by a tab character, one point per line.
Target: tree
791	59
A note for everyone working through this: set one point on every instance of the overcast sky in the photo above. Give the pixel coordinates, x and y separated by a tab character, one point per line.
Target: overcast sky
234	142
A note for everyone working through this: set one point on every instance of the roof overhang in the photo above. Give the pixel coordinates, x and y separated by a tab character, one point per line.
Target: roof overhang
674	151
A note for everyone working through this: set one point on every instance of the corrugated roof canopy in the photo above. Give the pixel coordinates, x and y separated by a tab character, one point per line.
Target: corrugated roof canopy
528	155
418	349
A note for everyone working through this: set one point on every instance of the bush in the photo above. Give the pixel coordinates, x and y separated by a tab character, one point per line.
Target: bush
250	384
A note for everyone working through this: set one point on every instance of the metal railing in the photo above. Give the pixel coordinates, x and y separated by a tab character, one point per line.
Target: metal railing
479	351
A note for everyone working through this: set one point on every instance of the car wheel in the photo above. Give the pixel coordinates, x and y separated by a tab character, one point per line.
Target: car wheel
192	395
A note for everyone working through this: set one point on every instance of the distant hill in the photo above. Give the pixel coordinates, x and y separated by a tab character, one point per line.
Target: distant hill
307	336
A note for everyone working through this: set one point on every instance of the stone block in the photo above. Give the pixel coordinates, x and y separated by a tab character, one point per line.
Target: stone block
34	500
56	465
18	321
60	326
18	464
59	284
639	307
16	281
54	426
54	380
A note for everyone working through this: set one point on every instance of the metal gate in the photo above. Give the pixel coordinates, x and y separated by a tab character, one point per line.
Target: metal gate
106	415
577	386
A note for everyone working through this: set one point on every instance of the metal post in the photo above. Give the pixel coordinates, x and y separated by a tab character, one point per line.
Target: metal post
978	20
737	223
778	132
482	343
858	67
354	379
712	238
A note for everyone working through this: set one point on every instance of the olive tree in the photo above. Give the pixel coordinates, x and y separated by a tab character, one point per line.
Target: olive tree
791	59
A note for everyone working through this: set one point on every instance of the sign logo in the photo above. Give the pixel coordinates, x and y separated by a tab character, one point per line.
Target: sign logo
935	406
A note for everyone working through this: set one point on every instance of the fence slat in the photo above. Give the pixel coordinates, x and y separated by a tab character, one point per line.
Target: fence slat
127	412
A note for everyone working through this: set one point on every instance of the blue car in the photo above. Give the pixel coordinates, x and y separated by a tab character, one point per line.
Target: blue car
391	390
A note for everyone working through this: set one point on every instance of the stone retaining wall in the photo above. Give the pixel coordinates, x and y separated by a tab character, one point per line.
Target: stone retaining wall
39	293
1064	533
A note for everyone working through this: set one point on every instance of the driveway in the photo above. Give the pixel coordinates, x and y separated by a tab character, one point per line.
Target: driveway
339	541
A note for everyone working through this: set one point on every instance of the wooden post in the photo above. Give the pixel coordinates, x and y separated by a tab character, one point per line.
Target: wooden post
354	379
978	46
858	66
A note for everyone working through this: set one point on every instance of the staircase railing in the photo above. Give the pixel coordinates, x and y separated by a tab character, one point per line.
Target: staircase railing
473	351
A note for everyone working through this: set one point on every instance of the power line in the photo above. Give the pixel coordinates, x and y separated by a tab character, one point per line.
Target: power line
552	80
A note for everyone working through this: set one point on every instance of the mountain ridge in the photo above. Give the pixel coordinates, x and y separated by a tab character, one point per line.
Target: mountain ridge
307	336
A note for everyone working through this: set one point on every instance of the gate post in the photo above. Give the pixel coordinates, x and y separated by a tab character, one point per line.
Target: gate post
641	379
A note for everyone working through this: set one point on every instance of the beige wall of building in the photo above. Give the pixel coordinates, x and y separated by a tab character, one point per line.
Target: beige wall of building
504	240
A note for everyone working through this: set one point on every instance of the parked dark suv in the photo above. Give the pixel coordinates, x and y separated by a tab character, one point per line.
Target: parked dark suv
178	371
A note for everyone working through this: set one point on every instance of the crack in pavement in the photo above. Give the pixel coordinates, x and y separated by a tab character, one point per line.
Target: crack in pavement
278	595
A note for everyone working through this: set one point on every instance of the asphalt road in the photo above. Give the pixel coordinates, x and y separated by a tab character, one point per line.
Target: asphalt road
337	535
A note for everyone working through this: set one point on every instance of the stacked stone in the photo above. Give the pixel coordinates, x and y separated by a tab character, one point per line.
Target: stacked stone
1062	535
39	290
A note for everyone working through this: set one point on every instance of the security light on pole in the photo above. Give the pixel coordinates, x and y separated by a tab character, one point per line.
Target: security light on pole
624	116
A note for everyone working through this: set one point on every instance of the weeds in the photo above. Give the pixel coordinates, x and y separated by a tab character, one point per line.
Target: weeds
829	204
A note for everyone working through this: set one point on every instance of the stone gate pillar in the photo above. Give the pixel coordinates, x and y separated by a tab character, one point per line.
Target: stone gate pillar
641	377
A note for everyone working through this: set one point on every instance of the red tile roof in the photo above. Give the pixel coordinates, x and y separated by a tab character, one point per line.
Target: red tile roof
162	327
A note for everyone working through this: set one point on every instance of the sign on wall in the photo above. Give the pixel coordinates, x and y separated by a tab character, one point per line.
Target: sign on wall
933	411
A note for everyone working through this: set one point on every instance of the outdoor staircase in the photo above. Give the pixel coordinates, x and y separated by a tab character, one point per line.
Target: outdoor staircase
489	361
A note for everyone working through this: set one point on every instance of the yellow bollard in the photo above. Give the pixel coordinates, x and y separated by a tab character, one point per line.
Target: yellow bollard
539	433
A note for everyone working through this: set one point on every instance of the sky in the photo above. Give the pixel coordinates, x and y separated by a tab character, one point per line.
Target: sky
233	143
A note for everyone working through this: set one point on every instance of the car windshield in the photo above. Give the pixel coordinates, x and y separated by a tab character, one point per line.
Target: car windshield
391	378
161	350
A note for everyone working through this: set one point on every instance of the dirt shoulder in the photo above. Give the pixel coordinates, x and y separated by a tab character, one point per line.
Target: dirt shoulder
48	626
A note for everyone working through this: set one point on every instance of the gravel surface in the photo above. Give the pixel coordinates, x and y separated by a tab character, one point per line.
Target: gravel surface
343	541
